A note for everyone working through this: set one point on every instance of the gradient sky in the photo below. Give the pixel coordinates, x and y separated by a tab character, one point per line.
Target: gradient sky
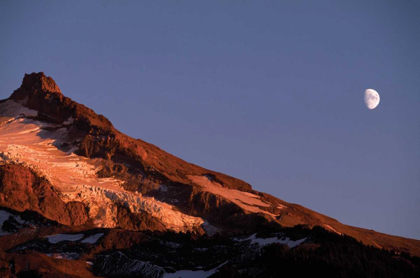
270	92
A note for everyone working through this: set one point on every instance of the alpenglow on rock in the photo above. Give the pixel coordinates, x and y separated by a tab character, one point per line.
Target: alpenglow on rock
69	171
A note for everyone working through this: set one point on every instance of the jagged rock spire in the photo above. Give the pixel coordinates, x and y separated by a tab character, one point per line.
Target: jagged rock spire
35	84
39	81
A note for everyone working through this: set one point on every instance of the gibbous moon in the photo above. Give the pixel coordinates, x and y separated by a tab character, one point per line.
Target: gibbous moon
371	98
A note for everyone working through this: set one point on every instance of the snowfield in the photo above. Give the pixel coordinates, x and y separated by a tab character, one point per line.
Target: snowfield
26	141
248	201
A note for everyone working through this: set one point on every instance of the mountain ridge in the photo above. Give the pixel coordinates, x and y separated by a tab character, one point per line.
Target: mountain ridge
221	203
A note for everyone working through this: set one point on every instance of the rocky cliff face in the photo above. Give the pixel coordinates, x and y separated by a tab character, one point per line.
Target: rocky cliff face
23	190
60	159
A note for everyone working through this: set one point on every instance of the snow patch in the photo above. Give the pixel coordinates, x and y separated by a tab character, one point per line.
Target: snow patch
64	237
193	273
267	241
280	206
332	229
92	239
11	109
65	255
170	244
248	201
377	245
69	121
209	229
4	216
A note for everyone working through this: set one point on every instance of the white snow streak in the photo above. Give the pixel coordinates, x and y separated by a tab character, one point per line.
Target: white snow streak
248	201
332	229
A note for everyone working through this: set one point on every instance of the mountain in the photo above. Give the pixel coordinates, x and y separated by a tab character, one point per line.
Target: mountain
88	197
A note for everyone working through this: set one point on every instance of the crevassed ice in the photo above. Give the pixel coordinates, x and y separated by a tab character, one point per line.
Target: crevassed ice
25	141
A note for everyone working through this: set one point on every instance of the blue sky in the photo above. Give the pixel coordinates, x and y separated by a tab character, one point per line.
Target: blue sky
267	91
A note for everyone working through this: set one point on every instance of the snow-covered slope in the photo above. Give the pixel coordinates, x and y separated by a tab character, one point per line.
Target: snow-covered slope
43	147
248	201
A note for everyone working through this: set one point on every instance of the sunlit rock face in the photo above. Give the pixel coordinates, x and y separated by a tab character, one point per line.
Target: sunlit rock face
73	187
112	175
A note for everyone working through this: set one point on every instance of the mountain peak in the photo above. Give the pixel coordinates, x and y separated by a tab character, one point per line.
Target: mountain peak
40	82
36	86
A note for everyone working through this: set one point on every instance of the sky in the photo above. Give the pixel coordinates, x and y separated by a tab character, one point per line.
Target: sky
270	92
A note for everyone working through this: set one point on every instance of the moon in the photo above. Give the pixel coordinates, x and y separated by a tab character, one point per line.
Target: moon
371	99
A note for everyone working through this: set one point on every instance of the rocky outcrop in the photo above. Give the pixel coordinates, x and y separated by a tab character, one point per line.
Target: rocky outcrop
138	222
41	93
21	189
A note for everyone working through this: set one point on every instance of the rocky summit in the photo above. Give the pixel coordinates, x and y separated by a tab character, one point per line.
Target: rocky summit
78	198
